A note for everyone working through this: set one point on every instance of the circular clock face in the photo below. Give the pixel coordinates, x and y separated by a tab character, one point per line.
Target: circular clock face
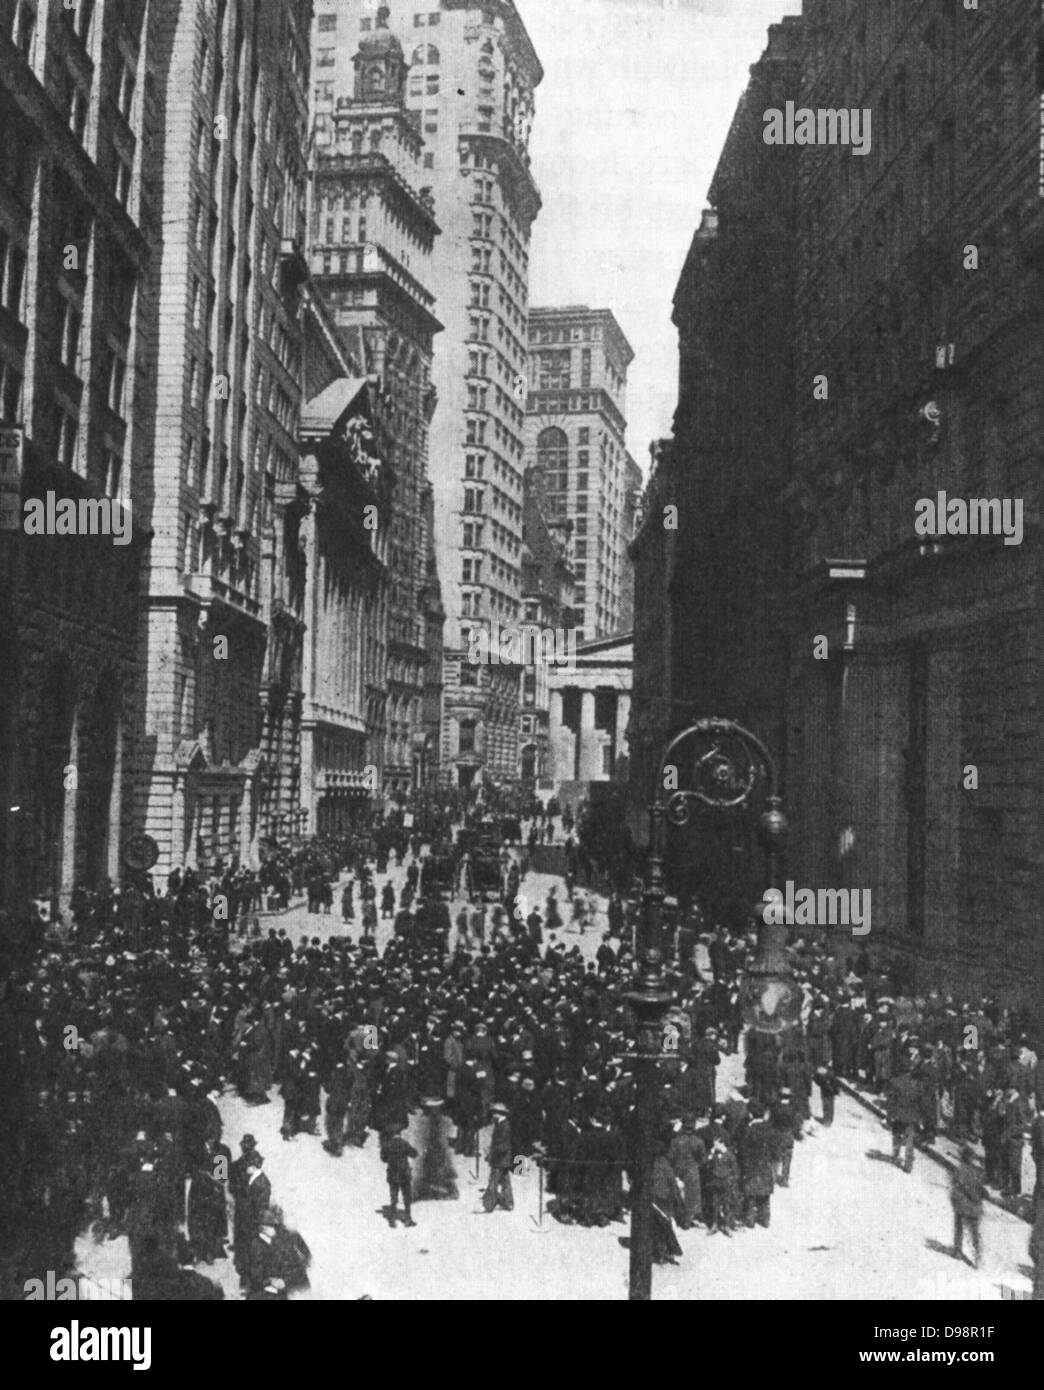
140	852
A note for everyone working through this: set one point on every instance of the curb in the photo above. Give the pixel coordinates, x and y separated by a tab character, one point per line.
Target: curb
927	1149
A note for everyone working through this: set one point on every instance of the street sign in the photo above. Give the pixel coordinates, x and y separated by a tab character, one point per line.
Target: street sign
12	453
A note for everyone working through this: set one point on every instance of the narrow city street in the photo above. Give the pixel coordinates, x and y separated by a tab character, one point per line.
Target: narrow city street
849	1226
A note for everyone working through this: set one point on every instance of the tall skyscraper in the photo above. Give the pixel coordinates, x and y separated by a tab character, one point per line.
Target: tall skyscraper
471	80
575	435
221	722
372	234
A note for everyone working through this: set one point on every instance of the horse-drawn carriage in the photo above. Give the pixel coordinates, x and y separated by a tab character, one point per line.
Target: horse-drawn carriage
438	873
483	876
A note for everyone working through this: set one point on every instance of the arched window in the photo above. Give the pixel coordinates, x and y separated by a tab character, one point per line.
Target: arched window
427	55
553	456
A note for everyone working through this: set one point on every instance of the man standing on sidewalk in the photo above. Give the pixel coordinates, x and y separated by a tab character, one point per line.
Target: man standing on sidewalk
904	1109
967	1185
501	1156
396	1153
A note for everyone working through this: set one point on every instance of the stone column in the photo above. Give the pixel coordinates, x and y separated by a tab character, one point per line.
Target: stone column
70	806
589	757
246	810
177	823
558	768
623	714
116	807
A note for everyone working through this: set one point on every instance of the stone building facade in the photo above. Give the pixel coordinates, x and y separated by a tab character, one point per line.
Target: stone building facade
470	83
372	235
733	308
590	709
219	724
915	747
908	661
576	435
652	553
348	484
547	610
79	225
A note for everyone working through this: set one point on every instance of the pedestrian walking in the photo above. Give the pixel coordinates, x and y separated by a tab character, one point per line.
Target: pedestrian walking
967	1185
829	1086
903	1107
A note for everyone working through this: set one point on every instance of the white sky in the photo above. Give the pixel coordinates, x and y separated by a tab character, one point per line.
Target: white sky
635	104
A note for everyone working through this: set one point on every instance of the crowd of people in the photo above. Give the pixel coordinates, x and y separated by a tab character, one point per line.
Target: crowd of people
126	1033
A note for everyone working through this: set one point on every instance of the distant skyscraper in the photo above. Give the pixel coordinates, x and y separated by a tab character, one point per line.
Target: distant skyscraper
471	79
575	435
372	233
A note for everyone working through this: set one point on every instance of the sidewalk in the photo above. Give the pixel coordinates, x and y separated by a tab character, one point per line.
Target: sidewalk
945	1151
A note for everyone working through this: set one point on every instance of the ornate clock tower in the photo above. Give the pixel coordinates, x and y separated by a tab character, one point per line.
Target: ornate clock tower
380	66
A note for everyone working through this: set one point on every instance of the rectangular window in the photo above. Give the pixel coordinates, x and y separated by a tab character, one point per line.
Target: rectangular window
117	377
466	738
327	22
122	182
12	276
126	90
10	393
325	57
69	347
24	27
113	476
66	439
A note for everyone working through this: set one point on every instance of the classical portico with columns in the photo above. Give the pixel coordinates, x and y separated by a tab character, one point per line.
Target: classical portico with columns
590	708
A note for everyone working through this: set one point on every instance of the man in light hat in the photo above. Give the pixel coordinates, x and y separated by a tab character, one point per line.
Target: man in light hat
500	1158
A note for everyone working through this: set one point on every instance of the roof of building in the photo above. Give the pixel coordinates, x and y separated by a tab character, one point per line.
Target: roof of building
381	39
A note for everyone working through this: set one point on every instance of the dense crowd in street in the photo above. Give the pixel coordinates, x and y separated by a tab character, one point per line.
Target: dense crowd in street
126	1031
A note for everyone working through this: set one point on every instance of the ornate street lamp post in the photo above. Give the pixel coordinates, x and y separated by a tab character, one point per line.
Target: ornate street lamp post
723	777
